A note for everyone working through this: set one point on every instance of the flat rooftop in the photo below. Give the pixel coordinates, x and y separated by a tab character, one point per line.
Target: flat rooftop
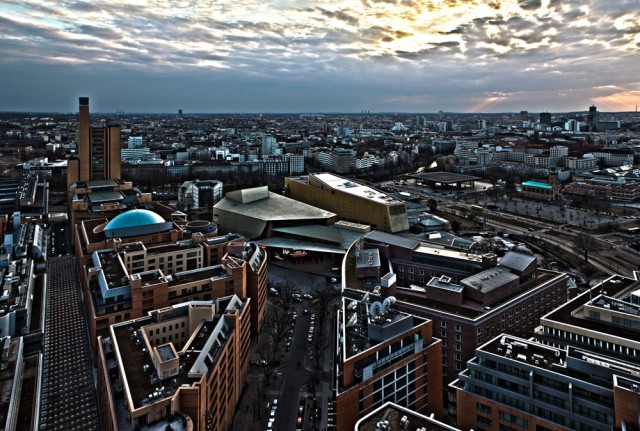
572	313
563	361
368	324
216	271
143	383
394	414
445	177
274	208
356	189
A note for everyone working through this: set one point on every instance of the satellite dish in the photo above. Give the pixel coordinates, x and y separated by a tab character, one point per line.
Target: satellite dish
352	305
375	309
352	320
386	304
365	298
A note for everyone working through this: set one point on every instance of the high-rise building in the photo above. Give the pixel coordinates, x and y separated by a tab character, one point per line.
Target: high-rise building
98	150
384	355
545	118
592	119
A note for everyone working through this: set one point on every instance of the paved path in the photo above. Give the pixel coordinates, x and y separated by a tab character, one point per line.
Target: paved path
69	400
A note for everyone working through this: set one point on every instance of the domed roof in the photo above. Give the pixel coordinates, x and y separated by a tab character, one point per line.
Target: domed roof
134	218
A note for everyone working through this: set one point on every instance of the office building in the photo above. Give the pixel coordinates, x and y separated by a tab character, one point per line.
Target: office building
138	262
508	294
182	366
98	150
199	194
343	160
382	355
517	384
605	320
545	118
350	201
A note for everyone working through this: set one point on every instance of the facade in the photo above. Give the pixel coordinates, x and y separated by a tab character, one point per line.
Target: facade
200	194
513	383
343	160
350	201
537	190
133	264
187	362
384	355
98	150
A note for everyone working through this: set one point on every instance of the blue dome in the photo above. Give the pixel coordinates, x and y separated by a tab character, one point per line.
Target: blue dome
134	218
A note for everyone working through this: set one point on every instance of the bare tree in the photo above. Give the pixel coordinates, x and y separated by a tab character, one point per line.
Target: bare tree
277	321
586	244
269	354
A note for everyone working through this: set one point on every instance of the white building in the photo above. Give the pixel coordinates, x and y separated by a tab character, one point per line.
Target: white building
135	141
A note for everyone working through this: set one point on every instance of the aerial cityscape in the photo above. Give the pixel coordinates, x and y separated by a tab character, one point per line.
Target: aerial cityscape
372	216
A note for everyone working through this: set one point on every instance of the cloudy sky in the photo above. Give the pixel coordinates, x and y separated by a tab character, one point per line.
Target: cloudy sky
320	56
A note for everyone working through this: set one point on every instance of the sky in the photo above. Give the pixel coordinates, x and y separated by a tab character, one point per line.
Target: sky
277	56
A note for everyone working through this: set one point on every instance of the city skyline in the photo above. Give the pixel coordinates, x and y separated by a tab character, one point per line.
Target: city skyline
330	56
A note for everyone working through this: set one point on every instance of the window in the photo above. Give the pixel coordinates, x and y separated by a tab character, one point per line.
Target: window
483	408
483	421
458	328
443	324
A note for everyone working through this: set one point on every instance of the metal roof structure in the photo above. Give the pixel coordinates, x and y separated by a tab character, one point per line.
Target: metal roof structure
516	261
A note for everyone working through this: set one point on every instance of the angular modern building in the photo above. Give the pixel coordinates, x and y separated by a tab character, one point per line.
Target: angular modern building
513	383
350	201
256	212
183	365
382	355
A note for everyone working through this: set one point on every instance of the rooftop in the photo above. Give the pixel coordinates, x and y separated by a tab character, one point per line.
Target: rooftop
368	324
272	208
490	279
134	218
573	312
394	415
445	177
536	184
347	186
141	378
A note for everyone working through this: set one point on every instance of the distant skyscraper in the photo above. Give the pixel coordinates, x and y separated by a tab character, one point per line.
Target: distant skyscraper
524	115
179	111
98	150
592	119
545	118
